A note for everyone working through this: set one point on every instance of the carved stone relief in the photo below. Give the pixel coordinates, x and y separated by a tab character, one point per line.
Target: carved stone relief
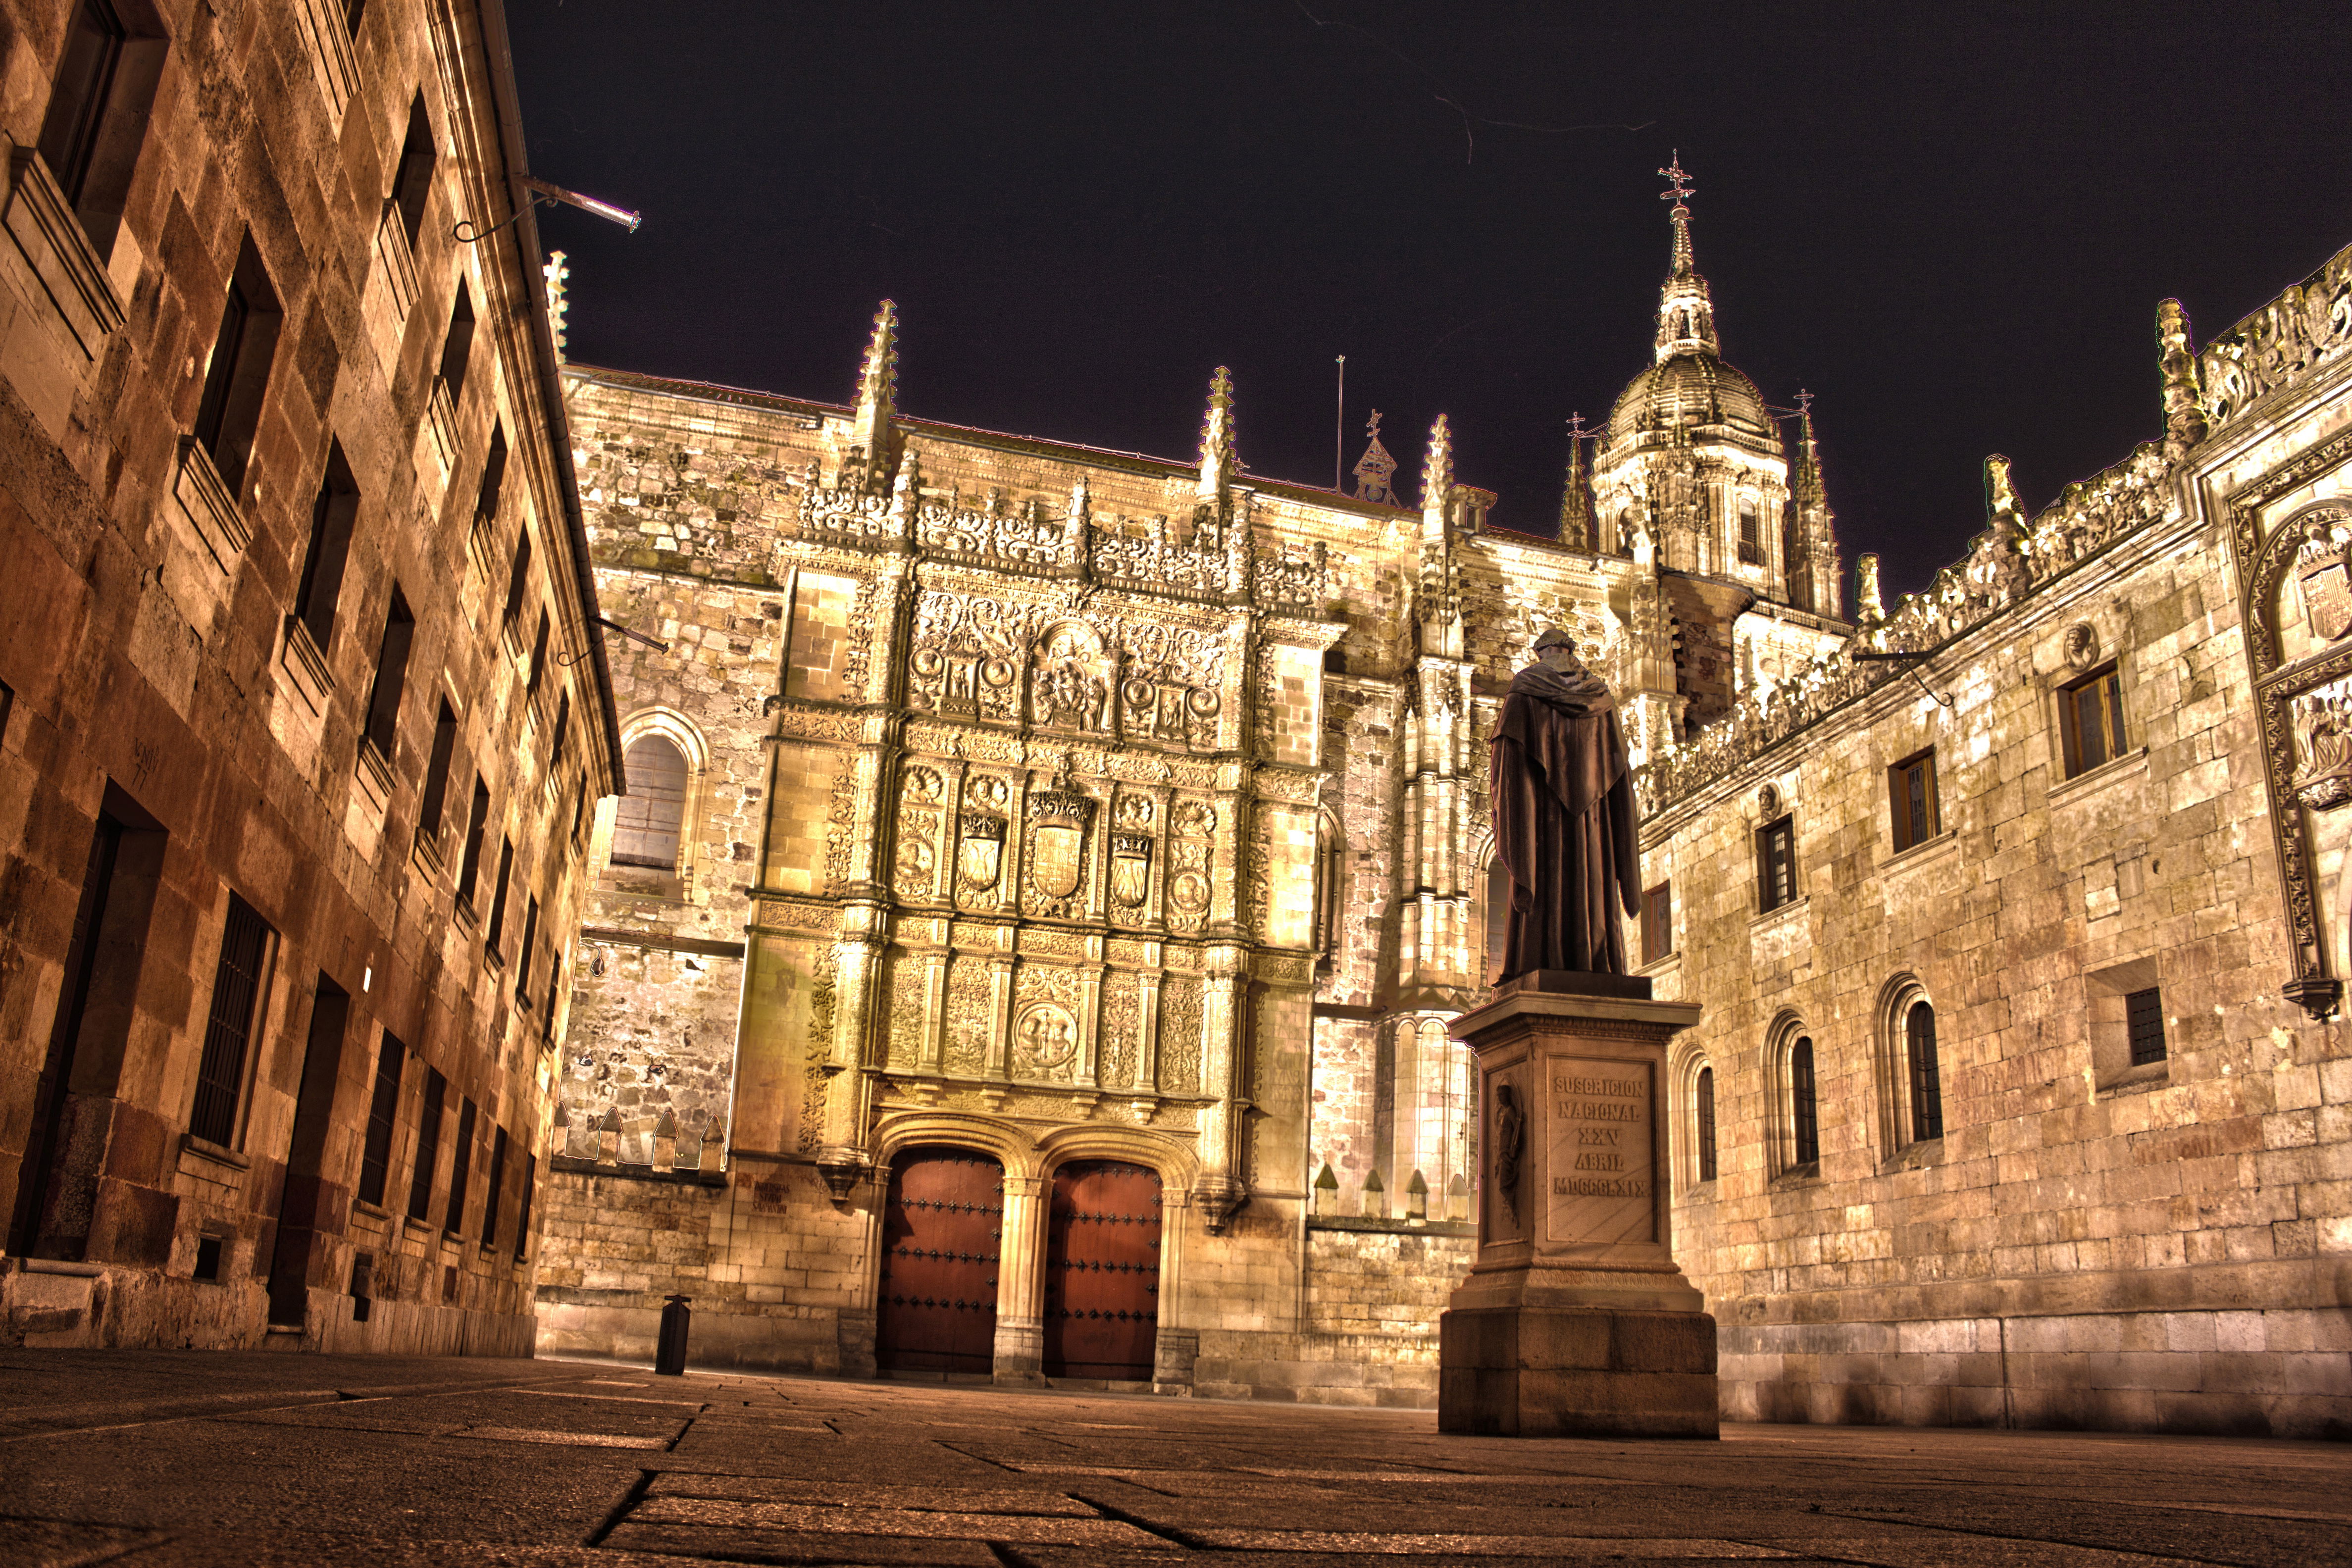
2322	746
902	978
1057	849
1180	1035
966	657
1121	1014
968	1016
1190	852
922	804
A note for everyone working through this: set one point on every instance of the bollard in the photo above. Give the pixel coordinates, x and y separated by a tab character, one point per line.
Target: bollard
669	1356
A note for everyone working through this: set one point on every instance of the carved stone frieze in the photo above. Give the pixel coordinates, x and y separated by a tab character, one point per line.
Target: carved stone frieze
2281	345
2322	721
1191	852
792	915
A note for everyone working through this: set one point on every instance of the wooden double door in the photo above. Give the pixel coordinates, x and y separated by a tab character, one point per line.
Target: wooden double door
1102	1271
942	1242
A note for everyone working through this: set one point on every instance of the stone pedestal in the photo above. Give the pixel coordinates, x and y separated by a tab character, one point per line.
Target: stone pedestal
1575	1321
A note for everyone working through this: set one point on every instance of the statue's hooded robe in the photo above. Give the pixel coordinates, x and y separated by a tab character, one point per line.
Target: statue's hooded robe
1563	802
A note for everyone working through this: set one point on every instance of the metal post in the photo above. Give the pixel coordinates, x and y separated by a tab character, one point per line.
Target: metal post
669	1354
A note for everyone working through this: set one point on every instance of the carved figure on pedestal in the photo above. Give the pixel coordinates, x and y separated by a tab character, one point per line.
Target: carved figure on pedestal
1563	806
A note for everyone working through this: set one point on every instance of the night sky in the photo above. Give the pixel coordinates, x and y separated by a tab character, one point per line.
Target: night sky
1952	223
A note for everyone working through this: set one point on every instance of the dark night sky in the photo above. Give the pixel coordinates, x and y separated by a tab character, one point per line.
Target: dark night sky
1950	223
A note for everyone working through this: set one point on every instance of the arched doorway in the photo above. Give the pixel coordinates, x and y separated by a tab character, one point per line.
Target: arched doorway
1102	1271
941	1230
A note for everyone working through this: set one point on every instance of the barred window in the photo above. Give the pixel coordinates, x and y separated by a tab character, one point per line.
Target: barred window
497	1179
237	986
1804	1113
383	1110
649	818
1926	1078
429	1146
1707	1124
2144	1025
461	1167
1776	863
2091	721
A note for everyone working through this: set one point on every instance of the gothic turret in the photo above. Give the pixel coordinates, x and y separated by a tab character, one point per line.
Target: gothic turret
872	432
1815	583
1217	460
1575	496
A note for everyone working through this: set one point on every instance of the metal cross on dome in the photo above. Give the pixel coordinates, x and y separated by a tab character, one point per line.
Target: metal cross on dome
1679	177
1576	430
1804	400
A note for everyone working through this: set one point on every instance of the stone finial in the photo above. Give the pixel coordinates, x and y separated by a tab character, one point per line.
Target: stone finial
2001	494
1376	1196
1218	439
1373	469
714	1144
557	273
608	1137
878	373
1416	1198
2184	409
1327	1190
1867	608
1437	470
665	1142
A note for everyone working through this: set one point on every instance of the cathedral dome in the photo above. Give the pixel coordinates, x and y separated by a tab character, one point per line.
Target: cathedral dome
1691	388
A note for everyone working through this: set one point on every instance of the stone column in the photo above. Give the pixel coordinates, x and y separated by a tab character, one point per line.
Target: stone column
1020	1282
1575	1321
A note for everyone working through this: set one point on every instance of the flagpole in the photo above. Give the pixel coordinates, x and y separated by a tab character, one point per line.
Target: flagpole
1339	428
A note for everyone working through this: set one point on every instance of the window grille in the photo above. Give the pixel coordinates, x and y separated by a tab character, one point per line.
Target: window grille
2091	721
332	516
429	1146
1657	922
497	1179
1804	1115
2144	1025
492	942
228	1032
1927	1081
1707	1124
522	1219
383	1110
457	345
461	1167
236	378
1917	813
649	818
477	819
1776	863
412	181
391	677
435	800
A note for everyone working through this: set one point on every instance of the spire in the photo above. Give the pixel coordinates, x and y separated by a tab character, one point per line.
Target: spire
1437	470
1686	310
1217	460
1806	484
1576	496
2184	415
877	399
1374	467
1868	608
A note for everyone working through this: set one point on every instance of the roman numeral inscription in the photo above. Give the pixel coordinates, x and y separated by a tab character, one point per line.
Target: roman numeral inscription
1601	1166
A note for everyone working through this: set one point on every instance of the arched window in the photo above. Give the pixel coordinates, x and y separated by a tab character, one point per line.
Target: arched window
1707	1124
1751	532
1329	849
1804	1112
1926	1078
646	823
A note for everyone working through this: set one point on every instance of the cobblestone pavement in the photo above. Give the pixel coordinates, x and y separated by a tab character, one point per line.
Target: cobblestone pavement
150	1459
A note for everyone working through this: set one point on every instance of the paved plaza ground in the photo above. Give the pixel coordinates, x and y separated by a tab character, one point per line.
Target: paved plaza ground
149	1458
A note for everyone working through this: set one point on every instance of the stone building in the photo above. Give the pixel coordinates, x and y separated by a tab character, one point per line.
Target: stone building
2023	1095
1028	947
303	707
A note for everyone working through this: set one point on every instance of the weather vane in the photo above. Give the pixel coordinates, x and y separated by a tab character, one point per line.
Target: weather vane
1680	194
1374	430
1804	402
1576	431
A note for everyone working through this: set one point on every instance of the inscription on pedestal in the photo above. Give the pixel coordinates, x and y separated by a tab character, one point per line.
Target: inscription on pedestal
1600	1166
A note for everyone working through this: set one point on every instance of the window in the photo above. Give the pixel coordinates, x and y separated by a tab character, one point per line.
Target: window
1912	782
1804	1111
494	476
412	180
332	516
238	985
229	413
1328	880
1707	1124
428	1146
1657	923
383	1110
96	118
1751	533
562	727
646	825
522	1219
2091	721
1927	1081
522	955
1776	863
434	804
457	345
497	1179
461	1165
2144	1026
519	577
498	901
391	676
68	143
537	658
478	820
352	11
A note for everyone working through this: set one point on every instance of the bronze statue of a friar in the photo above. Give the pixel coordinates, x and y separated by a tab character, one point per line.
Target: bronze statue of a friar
1563	807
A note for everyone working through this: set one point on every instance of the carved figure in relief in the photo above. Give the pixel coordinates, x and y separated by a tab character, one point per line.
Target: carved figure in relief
1563	806
2319	572
2323	746
965	660
1510	1144
1170	691
1046	1040
1071	687
1189	860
